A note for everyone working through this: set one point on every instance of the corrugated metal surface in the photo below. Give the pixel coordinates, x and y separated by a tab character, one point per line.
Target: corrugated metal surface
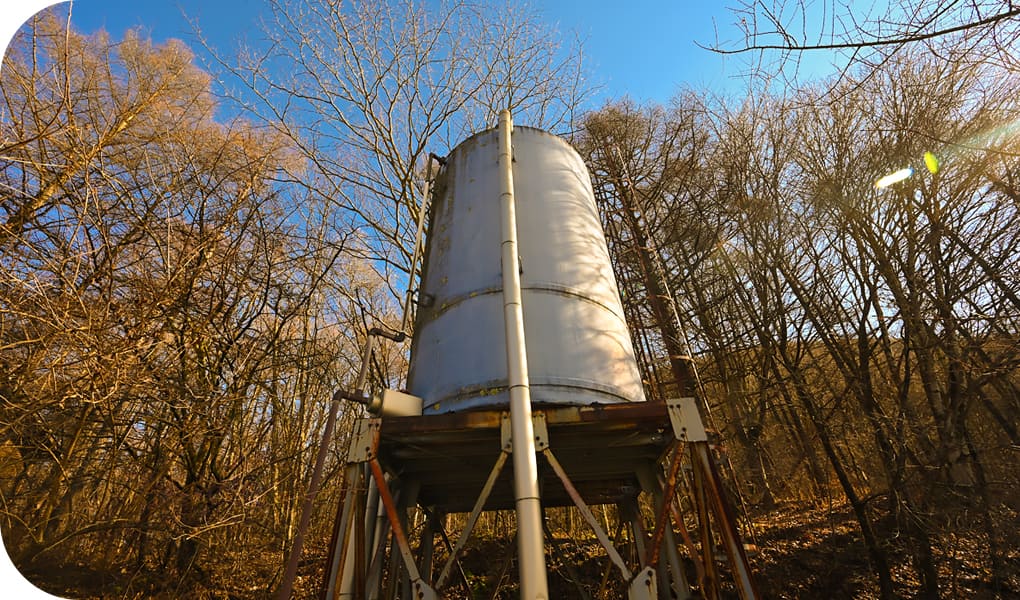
579	349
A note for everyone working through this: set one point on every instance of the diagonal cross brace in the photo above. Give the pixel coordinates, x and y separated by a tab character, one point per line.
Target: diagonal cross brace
422	589
475	512
587	514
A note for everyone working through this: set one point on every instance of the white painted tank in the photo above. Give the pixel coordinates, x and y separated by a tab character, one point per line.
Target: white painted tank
579	348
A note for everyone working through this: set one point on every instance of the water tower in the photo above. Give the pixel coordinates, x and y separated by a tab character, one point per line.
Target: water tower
521	353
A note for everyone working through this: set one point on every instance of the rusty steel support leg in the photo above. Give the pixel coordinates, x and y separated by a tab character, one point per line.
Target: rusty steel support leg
710	583
663	495
346	569
340	560
692	550
662	508
727	525
680	585
422	590
650	486
407	501
672	578
395	575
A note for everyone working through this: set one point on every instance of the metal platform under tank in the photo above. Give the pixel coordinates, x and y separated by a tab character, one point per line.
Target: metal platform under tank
600	446
591	455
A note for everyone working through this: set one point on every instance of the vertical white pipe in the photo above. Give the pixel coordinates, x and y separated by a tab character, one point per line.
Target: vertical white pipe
530	542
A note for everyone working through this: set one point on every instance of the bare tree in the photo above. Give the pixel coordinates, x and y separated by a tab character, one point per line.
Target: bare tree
873	326
365	90
778	33
170	315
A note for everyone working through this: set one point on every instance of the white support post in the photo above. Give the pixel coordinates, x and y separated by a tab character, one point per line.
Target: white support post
530	542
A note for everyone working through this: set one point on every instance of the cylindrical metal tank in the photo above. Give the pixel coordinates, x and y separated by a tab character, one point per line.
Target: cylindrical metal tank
579	348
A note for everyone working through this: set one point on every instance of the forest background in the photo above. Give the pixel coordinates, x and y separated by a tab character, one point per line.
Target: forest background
182	291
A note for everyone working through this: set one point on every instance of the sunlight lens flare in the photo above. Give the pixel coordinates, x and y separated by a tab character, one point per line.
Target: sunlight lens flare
896	177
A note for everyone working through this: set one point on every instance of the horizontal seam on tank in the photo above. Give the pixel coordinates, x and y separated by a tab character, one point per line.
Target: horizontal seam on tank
543	382
542	287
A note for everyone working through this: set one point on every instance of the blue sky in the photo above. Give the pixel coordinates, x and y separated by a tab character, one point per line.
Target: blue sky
644	49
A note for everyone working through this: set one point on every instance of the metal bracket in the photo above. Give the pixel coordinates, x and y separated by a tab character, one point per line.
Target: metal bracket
540	429
505	441
643	586
686	420
365	441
